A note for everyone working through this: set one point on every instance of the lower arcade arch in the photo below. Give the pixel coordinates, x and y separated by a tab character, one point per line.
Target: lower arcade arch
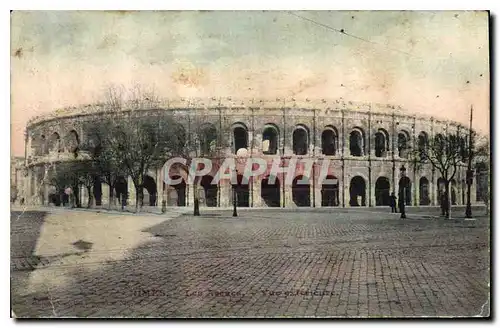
453	192
242	192
357	191
441	186
121	190
405	190
424	191
382	192
270	191
210	191
176	194
301	195
150	186
330	192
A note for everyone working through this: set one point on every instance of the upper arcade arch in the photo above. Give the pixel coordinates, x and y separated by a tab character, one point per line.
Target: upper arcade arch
381	143
72	141
357	142
329	141
270	139
300	140
240	136
403	143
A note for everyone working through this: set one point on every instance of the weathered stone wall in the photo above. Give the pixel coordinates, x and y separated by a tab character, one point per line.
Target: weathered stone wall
254	115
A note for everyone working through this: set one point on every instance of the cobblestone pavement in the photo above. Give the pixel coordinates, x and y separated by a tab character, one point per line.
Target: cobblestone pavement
266	264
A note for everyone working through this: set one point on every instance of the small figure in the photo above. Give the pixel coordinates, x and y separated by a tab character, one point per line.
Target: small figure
393	203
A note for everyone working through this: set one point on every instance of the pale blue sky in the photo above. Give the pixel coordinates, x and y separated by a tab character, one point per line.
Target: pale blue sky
68	58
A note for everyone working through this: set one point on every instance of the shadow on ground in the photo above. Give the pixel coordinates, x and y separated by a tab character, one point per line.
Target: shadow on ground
157	283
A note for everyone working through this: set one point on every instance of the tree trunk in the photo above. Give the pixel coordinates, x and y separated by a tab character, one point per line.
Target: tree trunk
139	197
448	201
196	201
89	192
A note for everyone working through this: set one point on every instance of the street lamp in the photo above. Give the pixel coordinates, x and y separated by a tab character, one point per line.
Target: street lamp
235	213
402	187
470	173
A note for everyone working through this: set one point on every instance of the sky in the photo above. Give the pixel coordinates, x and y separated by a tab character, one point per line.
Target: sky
430	63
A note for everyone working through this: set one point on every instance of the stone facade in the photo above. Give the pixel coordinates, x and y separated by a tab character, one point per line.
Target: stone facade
366	144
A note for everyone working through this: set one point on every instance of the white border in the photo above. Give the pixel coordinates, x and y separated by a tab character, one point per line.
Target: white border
192	5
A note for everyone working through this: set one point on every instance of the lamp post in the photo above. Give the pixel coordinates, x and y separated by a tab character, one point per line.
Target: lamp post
470	173
402	187
235	212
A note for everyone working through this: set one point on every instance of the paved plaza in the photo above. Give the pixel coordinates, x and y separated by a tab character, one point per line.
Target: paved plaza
286	263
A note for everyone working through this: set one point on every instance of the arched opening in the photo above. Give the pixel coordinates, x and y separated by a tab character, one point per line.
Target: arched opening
55	142
330	192
270	193
44	150
72	141
176	194
329	142
464	191
36	145
405	186
423	142
121	190
210	190
55	198
97	190
381	143
453	191
424	191
439	144
481	181
242	192
356	143
382	192
301	192
441	186
270	137
240	137
357	191
150	186
208	139
300	140
403	139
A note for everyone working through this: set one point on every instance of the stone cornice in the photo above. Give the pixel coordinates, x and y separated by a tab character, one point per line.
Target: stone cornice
306	104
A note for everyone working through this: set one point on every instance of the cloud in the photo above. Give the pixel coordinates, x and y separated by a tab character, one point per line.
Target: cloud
61	58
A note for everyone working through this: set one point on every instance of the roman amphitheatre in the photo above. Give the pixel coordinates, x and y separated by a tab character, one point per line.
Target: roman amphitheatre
367	144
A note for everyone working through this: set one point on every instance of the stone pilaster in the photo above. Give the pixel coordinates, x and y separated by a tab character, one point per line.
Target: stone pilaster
131	192
256	193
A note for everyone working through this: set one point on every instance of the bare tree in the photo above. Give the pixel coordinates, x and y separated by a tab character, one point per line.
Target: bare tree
134	136
205	140
445	153
142	143
108	168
